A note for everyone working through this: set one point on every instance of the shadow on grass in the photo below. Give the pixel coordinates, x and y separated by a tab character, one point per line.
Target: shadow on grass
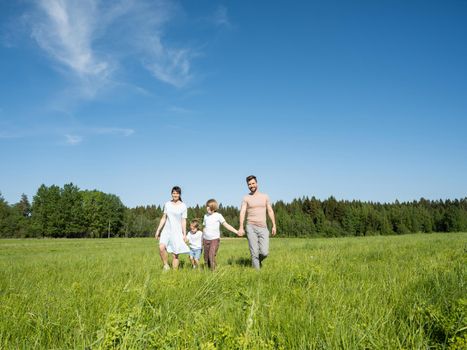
242	261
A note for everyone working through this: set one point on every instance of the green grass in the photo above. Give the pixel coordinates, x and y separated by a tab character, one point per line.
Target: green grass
352	293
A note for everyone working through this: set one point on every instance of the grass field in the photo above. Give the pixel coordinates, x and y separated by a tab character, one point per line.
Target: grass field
351	293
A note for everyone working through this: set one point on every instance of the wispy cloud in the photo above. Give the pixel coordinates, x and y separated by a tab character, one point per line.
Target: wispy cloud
92	39
73	135
168	63
180	110
221	17
66	31
73	139
113	131
171	66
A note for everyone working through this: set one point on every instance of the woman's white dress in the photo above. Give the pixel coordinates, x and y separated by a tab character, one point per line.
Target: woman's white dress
172	234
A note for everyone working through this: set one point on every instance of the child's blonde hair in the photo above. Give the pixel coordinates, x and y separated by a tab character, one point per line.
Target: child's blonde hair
212	204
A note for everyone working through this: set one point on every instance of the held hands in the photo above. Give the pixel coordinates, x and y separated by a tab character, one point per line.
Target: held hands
157	235
241	231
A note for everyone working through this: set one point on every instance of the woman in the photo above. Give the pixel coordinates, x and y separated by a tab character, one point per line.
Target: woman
172	239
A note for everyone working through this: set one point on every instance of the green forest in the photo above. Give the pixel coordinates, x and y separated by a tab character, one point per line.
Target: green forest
73	213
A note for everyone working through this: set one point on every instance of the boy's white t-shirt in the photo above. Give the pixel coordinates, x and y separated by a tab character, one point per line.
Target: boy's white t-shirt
211	225
195	240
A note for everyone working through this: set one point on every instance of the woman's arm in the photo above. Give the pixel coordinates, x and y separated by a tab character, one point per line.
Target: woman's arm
161	224
184	229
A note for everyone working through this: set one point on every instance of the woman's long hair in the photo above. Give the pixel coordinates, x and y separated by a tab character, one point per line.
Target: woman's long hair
178	190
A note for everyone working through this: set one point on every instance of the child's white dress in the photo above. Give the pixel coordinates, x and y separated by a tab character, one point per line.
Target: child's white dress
172	234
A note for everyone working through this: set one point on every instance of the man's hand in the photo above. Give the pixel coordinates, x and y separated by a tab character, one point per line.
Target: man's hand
273	230
241	232
157	235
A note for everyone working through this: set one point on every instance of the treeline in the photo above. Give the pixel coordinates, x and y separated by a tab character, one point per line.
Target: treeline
62	212
71	212
332	218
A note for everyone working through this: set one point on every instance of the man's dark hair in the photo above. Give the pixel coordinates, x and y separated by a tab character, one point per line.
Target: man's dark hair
251	177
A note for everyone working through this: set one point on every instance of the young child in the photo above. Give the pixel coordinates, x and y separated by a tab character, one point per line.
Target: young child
211	235
194	238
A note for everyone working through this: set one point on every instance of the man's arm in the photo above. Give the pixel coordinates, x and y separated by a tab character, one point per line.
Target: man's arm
241	231
272	217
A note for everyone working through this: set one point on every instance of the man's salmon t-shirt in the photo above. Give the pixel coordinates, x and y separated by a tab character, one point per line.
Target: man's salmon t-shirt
256	206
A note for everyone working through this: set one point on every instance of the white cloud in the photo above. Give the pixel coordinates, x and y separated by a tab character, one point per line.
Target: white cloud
114	131
166	62
66	30
221	18
73	139
92	38
73	135
171	66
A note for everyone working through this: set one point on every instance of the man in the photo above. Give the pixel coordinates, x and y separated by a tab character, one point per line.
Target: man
255	205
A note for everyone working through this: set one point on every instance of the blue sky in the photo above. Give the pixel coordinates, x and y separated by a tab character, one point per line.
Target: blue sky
356	99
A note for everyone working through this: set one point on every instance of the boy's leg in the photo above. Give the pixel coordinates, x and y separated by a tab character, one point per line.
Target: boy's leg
213	252
197	256
206	244
253	245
